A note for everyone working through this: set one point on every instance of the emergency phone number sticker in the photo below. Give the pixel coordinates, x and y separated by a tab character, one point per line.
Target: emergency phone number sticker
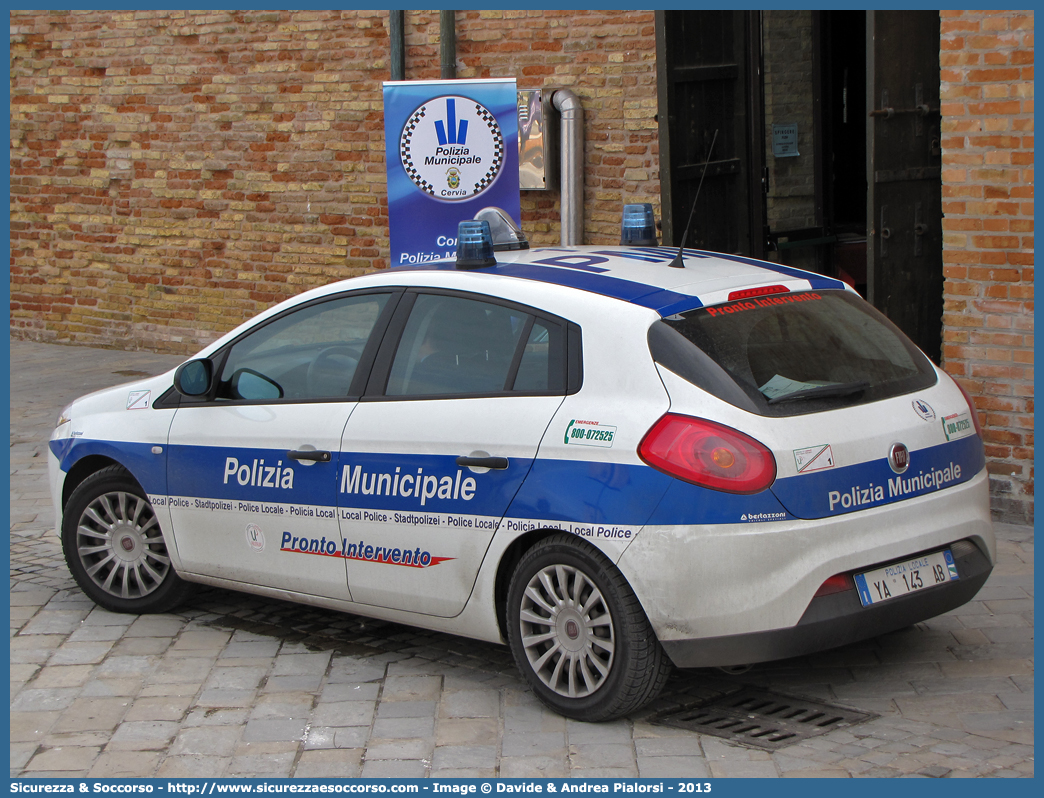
589	433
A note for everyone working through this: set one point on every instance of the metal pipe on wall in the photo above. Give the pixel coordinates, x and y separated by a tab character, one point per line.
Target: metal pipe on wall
572	166
448	44
397	44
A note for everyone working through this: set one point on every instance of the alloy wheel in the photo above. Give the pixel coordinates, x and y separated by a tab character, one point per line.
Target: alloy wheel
120	545
567	631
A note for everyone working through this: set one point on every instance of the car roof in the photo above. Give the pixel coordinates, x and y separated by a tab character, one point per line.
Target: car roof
642	275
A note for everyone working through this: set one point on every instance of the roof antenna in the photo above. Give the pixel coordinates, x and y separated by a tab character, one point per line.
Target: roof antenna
677	262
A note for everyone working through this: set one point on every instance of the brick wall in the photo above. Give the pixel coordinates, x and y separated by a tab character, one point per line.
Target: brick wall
987	140
173	173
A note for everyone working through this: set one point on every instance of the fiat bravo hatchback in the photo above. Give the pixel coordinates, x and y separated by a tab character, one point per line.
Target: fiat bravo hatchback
608	463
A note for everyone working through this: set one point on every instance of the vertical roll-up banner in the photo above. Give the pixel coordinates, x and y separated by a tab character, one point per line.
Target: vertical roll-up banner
452	150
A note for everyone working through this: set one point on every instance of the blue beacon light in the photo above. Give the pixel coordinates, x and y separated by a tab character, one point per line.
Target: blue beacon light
474	245
638	228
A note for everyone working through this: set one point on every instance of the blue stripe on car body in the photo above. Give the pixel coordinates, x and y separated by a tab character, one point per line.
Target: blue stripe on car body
148	469
817	281
614	287
552	489
812	495
584	270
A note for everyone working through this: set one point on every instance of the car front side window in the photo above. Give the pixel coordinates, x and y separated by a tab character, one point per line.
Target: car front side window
309	354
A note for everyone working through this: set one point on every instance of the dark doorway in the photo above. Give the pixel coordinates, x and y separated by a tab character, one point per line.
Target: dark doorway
708	78
904	202
843	48
844	119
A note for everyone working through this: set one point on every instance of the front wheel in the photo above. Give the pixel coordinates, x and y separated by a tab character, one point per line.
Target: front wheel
579	634
114	546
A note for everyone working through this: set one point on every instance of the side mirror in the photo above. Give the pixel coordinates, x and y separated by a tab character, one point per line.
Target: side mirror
193	379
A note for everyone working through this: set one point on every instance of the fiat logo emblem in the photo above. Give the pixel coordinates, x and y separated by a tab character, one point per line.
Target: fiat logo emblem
899	458
572	630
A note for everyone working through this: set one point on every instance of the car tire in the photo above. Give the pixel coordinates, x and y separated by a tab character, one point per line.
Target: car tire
579	634
114	546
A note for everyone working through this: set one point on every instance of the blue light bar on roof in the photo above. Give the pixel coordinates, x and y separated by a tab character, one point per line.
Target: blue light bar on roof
638	228
474	245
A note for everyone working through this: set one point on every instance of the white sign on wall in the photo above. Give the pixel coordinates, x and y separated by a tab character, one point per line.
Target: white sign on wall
785	141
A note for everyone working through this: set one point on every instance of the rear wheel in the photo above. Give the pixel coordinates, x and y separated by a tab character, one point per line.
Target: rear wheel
579	634
114	546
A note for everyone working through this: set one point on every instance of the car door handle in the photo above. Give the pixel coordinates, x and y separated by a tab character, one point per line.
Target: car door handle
496	463
309	454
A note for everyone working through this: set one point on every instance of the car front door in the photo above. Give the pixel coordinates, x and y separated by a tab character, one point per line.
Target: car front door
252	466
461	395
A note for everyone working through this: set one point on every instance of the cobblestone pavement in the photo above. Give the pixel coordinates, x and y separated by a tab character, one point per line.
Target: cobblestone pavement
234	685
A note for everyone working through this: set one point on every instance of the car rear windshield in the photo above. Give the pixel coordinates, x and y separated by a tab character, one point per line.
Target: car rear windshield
793	353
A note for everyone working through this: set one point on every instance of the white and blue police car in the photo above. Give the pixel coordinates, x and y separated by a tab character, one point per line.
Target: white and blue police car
607	462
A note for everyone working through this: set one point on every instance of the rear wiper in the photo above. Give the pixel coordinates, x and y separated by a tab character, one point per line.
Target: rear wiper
823	391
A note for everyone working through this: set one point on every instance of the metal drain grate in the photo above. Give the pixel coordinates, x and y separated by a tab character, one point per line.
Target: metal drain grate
762	719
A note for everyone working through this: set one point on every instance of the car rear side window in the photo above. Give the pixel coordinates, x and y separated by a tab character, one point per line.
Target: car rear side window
793	353
541	368
458	346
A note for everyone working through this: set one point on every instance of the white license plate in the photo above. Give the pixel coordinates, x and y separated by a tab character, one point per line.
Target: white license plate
902	578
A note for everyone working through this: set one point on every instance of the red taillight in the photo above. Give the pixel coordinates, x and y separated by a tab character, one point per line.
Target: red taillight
764	290
838	583
708	454
971	407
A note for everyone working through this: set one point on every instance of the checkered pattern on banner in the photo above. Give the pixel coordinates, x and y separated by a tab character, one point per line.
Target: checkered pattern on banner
498	148
407	157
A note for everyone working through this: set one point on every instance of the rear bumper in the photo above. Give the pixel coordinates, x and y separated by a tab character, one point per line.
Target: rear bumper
719	594
838	619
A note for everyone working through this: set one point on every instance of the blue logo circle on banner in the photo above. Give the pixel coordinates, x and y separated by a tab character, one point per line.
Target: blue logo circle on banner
452	148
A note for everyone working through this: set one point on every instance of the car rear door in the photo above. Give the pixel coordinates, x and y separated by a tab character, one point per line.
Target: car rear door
462	393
